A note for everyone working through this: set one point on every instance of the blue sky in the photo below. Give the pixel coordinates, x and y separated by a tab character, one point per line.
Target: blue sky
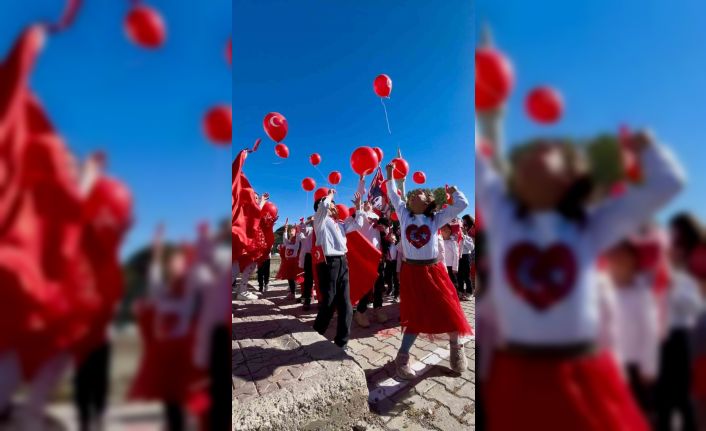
639	62
314	61
143	107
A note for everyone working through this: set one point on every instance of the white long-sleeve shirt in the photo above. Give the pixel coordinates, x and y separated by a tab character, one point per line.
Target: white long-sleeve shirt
182	307
305	240
637	326
563	309
330	234
684	302
419	232
467	245
366	223
451	253
291	248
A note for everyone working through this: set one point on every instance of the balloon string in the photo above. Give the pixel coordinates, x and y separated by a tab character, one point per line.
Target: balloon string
387	121
67	18
322	174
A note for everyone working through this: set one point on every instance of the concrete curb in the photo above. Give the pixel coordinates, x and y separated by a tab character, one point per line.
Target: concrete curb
334	398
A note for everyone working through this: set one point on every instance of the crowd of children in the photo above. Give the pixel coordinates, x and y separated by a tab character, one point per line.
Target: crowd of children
589	312
416	253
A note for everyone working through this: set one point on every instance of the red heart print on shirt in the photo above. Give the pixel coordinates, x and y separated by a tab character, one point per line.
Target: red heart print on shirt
418	236
542	277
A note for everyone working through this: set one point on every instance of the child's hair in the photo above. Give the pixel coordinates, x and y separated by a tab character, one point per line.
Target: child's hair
690	232
431	209
468	221
573	203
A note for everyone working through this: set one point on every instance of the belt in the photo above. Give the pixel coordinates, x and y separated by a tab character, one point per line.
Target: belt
425	262
562	351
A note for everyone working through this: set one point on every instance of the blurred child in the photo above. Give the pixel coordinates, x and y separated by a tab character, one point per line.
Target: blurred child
451	254
428	300
305	262
545	237
368	224
167	371
289	254
393	283
636	323
683	306
465	262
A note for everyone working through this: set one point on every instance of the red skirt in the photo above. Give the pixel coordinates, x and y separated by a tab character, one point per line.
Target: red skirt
550	394
429	303
167	371
289	269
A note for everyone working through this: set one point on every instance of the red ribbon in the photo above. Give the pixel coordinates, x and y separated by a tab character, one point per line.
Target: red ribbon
67	18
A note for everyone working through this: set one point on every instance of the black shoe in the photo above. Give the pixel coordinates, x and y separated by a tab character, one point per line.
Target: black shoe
299	300
306	306
260	288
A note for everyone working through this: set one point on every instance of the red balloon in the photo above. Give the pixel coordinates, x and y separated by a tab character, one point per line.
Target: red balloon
419	177
315	159
342	211
544	105
382	85
109	204
494	78
394	217
275	126
334	177
282	151
218	124
145	27
379	153
401	168
364	160
269	209
308	184
351	211
229	51
321	192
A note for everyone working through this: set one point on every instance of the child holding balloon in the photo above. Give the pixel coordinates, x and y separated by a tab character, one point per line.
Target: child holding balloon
289	253
544	240
429	303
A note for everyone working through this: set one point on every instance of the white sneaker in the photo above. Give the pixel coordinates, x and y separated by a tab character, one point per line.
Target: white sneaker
403	370
247	296
361	319
458	359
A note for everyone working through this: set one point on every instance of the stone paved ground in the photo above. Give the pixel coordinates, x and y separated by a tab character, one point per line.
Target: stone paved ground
436	400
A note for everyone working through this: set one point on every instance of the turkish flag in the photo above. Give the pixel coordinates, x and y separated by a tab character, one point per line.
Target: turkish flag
363	259
246	214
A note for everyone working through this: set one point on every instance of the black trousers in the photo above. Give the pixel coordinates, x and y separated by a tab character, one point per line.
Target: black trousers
674	382
391	279
219	373
263	273
308	278
378	291
174	414
91	385
452	276
464	274
335	292
643	393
